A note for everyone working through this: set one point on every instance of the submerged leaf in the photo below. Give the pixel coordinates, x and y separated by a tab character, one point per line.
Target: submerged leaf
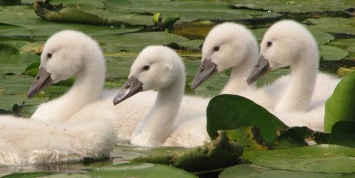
219	153
61	13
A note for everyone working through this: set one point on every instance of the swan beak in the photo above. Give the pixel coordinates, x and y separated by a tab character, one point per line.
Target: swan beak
261	68
42	80
206	70
130	88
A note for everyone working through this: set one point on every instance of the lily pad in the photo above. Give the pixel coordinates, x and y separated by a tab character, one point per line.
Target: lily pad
139	170
187	10
340	106
295	6
317	158
246	170
332	53
334	26
226	112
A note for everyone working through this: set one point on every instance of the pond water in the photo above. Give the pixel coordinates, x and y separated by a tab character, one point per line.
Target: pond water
23	32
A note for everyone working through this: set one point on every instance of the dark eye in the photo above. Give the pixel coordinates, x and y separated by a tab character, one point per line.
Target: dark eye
49	55
216	48
269	44
146	67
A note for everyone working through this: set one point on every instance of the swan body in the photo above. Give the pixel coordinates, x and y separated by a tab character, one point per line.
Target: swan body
44	138
26	141
288	43
160	68
67	54
231	45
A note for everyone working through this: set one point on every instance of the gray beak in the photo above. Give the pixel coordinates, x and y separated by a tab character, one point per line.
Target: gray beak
42	80
261	68
130	88
206	70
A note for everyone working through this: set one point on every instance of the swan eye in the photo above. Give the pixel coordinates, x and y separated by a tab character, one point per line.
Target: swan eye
146	67
269	44
216	48
49	55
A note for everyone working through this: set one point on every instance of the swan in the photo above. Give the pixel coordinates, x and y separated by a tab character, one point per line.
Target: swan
288	43
26	141
44	139
66	54
160	68
231	45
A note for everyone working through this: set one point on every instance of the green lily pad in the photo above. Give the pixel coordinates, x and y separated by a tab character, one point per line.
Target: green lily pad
318	158
295	6
244	170
333	25
332	53
226	112
187	10
340	106
139	170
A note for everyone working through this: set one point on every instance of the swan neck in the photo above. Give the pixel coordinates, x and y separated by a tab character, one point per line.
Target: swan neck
298	94
159	122
87	88
237	82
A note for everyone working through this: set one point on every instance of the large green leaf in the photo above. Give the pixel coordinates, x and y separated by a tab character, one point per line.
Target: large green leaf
226	112
332	53
304	6
318	158
343	133
139	170
244	171
336	26
187	10
340	106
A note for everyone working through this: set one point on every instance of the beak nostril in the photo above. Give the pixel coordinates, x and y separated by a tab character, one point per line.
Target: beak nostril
127	86
38	78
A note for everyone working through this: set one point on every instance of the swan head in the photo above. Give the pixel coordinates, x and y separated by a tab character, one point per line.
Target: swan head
63	57
156	67
226	46
283	45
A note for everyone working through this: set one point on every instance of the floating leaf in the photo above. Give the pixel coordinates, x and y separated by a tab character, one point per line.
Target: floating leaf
217	154
324	6
317	158
334	26
139	170
340	106
254	171
226	112
332	53
187	10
